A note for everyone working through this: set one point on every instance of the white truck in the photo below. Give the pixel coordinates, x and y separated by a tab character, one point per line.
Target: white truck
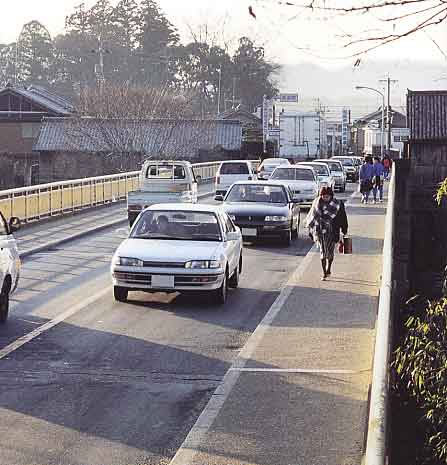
162	181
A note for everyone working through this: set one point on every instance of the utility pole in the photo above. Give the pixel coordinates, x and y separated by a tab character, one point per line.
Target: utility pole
388	81
234	91
218	96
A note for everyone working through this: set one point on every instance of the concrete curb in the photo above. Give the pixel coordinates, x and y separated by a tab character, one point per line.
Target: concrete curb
86	232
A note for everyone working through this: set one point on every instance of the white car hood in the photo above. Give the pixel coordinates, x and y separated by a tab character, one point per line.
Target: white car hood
168	250
298	184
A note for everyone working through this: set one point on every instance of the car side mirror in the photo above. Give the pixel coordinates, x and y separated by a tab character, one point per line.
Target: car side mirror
219	198
233	236
14	224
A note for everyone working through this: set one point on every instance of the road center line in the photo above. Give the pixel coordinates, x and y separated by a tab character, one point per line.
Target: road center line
50	324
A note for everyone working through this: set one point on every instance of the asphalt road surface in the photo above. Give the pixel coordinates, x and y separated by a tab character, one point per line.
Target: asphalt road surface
85	380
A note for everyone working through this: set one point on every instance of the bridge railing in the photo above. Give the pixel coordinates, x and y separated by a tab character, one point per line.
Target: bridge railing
45	200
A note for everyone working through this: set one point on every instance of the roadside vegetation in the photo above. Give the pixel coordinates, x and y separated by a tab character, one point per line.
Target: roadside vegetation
419	378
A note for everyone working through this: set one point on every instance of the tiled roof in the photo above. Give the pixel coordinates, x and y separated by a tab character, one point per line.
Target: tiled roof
44	98
427	114
172	138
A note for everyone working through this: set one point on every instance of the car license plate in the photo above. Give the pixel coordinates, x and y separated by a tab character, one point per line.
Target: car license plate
251	232
162	281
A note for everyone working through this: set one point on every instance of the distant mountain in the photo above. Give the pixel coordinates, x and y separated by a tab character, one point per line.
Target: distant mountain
335	87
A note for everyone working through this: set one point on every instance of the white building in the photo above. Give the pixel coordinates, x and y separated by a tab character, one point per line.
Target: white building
302	135
373	138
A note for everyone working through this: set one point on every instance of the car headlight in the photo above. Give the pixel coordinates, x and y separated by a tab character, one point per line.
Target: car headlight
276	218
203	264
127	261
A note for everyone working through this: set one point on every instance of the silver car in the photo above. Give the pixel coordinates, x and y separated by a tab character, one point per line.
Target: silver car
9	263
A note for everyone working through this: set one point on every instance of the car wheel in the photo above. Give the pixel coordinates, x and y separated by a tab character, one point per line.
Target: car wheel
287	238
120	293
4	307
221	293
295	231
233	282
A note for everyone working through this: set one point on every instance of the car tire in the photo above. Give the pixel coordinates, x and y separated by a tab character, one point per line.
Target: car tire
4	307
287	238
221	293
120	293
233	282
295	231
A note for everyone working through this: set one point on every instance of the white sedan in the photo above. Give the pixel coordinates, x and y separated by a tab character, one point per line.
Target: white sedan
302	181
179	247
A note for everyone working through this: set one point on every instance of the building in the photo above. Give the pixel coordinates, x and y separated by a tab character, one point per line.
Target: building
22	111
366	133
71	148
303	135
427	118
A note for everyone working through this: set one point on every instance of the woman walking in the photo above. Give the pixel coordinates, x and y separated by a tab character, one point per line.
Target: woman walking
326	218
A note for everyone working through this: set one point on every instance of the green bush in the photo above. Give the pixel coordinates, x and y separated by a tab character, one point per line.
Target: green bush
442	191
420	370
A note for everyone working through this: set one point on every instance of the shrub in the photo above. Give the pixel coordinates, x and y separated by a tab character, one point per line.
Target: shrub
420	369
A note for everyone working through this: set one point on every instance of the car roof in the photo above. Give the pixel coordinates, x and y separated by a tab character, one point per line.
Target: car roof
326	160
297	165
275	159
235	161
262	183
196	207
308	163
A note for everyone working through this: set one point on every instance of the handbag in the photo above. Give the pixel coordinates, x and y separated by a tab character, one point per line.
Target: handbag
341	247
347	245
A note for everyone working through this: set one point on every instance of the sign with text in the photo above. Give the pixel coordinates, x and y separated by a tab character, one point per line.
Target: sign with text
287	98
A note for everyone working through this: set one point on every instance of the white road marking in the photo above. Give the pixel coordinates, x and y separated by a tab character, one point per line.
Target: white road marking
296	370
50	324
191	445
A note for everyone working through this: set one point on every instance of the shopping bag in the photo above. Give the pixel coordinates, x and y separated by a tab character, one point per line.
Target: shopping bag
347	245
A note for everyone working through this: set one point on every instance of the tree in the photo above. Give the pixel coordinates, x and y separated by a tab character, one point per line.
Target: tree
7	64
35	54
400	18
156	36
123	121
254	73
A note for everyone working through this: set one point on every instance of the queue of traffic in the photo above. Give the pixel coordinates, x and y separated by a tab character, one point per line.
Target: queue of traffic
177	244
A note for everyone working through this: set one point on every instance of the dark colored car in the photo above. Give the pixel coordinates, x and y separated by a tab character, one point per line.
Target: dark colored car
263	209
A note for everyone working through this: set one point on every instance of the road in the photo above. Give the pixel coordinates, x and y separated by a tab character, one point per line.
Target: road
95	382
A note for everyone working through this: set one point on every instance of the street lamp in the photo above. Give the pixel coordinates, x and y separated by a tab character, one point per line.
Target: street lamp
383	114
218	97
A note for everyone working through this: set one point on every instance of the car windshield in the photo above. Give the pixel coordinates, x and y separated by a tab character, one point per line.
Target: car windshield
292	174
333	166
256	193
177	225
321	170
346	162
234	168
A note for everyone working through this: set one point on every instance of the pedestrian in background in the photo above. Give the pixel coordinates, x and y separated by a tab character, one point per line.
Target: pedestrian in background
378	178
365	178
326	218
386	162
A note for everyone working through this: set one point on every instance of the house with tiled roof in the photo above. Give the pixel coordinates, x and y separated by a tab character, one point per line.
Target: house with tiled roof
82	147
22	110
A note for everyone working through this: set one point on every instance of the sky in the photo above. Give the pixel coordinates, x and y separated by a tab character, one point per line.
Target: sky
289	36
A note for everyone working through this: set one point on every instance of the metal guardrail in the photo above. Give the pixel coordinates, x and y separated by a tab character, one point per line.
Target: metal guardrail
376	442
44	200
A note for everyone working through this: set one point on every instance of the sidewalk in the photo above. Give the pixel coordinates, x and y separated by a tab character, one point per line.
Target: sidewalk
298	393
52	232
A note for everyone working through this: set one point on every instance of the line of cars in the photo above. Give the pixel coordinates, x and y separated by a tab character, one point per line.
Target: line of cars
186	246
